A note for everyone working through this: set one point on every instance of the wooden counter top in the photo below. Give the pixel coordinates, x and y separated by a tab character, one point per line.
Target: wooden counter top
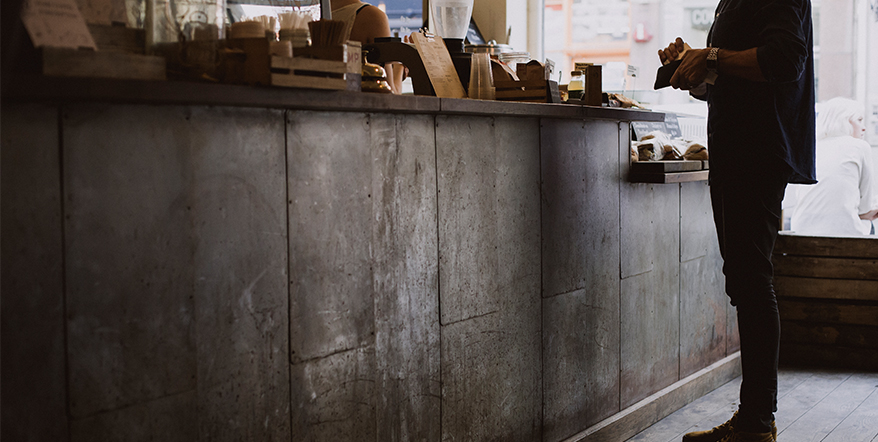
40	88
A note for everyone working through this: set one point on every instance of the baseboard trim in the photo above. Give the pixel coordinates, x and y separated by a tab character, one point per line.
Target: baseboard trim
638	417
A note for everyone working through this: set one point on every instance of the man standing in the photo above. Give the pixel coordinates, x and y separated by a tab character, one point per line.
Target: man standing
761	137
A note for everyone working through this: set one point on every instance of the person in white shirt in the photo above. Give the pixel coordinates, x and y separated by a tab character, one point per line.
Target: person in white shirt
365	23
844	201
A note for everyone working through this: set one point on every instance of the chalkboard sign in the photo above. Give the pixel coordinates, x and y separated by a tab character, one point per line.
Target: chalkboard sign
670	126
641	128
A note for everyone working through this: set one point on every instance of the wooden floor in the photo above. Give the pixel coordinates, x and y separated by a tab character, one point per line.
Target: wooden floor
813	406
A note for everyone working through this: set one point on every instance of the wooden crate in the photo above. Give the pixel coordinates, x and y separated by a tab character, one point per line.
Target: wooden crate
335	68
536	91
827	292
118	38
63	62
349	54
308	73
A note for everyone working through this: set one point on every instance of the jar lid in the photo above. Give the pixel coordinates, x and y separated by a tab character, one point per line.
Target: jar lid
492	47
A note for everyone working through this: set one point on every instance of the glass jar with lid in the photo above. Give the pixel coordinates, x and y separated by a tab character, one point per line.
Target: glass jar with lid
512	59
170	21
576	86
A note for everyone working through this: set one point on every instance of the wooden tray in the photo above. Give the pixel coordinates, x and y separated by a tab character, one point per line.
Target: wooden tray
537	91
669	177
308	73
668	171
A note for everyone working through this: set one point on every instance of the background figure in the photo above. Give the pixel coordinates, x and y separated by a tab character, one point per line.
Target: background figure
365	24
844	201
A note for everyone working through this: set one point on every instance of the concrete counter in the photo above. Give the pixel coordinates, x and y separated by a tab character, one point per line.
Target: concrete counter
37	88
297	267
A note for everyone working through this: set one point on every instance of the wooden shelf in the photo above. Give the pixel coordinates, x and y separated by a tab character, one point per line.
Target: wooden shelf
668	171
671	177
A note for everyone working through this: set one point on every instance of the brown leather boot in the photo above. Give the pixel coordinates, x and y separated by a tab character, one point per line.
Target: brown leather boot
715	434
725	433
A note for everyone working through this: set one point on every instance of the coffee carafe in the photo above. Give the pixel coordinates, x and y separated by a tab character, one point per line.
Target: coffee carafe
450	20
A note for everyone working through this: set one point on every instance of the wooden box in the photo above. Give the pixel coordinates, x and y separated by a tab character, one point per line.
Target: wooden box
827	295
537	91
308	73
592	95
63	62
118	38
336	67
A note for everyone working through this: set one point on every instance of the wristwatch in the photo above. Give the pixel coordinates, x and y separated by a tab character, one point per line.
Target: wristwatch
711	60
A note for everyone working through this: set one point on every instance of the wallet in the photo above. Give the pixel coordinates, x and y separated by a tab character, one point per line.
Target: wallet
664	74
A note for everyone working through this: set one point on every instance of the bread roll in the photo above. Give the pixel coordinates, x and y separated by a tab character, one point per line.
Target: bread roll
695	151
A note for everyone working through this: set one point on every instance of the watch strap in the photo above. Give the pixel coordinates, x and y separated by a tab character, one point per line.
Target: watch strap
712	57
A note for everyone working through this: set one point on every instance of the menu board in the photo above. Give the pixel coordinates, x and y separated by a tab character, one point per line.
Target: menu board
439	67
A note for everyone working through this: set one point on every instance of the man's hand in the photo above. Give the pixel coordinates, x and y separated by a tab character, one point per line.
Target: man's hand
693	67
670	53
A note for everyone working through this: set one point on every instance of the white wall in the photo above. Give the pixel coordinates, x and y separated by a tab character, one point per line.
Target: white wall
496	17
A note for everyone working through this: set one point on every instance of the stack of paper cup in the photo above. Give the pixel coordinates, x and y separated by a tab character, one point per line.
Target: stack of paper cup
297	37
294	28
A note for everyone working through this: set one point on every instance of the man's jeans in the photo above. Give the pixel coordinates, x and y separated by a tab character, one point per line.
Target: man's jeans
746	215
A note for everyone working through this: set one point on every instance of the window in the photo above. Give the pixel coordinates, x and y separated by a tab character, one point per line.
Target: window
620	34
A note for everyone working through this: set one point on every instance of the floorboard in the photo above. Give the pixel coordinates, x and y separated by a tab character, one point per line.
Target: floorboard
861	425
813	406
678	422
805	396
825	416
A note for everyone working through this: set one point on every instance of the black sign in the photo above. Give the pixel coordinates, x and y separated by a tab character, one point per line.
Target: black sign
641	128
670	127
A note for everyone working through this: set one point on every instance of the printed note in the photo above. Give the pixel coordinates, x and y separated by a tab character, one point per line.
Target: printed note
440	68
56	23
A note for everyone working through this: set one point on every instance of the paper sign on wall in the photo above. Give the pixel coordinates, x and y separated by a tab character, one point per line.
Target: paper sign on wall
56	23
103	12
